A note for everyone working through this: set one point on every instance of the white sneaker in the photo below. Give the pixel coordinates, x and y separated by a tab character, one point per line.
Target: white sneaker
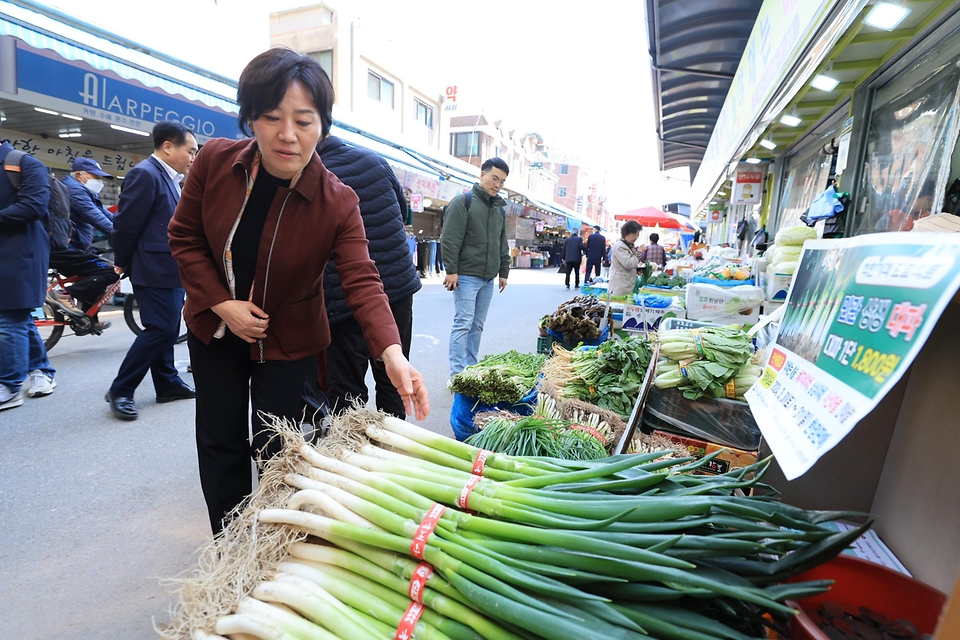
40	384
10	399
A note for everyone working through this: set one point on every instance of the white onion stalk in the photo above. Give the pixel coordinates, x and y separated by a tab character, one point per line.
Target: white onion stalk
316	604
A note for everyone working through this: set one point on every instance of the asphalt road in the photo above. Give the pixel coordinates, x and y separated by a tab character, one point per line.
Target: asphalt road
96	513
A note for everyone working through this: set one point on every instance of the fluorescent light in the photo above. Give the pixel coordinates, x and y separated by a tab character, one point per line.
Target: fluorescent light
768	144
53	113
3	118
886	15
790	120
70	135
714	202
824	83
753	160
67	115
126	130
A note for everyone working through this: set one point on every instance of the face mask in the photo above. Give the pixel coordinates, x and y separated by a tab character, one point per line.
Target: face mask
94	185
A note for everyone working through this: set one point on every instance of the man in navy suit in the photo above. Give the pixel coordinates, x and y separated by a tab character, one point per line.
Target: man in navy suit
149	197
24	255
596	249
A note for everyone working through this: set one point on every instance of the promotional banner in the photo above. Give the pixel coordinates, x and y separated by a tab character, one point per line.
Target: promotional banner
857	314
747	186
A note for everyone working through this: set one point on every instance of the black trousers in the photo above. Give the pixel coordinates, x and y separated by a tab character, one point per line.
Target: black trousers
348	357
591	266
573	266
98	274
228	382
152	350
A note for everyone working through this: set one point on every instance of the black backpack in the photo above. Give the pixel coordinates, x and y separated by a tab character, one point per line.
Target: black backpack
742	228
58	220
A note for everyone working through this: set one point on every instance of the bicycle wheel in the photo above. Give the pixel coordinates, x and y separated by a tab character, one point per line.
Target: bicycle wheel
50	333
131	315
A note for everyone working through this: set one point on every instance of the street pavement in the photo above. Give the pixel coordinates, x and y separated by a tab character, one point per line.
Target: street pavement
97	514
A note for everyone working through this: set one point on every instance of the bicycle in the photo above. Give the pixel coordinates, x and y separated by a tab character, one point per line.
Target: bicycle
57	315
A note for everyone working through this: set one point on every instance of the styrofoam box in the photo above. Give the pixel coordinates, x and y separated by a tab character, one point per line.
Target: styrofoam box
778	286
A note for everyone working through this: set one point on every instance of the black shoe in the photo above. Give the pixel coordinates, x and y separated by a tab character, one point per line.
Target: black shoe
182	392
123	408
568	287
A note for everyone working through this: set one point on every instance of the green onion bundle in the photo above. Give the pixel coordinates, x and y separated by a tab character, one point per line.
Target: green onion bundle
627	547
505	377
539	436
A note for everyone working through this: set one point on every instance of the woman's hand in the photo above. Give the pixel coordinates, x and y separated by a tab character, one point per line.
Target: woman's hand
407	380
244	319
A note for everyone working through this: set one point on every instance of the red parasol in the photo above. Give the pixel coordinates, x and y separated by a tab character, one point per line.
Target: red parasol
650	217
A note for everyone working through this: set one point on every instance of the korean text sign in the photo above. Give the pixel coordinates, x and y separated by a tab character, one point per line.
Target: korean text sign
857	314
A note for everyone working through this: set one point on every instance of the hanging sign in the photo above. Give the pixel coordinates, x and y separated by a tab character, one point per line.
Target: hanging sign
843	145
857	314
416	202
747	187
716	215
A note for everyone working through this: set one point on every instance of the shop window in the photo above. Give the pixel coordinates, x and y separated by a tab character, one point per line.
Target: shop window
424	113
465	144
912	127
325	58
806	176
561	192
380	89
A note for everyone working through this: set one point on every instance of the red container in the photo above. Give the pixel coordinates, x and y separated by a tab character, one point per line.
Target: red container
860	583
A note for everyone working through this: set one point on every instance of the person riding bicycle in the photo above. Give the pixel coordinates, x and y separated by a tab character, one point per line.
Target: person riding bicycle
86	213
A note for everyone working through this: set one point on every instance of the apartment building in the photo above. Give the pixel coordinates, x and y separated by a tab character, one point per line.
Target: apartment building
375	84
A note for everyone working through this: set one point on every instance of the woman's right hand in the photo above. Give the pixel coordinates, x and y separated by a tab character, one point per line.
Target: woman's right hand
244	319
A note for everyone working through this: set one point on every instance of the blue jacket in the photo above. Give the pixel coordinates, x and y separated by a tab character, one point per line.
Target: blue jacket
24	241
140	244
596	246
383	208
86	213
573	249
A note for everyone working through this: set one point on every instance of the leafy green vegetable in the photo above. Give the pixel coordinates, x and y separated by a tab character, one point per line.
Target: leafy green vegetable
538	436
505	377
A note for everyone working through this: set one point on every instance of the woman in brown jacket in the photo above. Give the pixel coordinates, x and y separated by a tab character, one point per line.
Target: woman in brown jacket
256	224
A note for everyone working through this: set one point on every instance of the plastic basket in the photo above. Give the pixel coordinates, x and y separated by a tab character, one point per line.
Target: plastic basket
722	283
669	324
545	344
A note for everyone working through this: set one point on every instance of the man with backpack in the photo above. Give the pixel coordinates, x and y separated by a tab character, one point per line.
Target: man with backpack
86	214
24	255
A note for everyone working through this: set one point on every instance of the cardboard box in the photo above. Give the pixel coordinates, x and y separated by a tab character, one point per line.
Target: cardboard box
634	317
730	459
778	285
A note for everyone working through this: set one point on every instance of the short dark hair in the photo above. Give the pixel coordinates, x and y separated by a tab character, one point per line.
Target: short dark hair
169	130
266	78
574	232
629	227
495	163
597	227
654	237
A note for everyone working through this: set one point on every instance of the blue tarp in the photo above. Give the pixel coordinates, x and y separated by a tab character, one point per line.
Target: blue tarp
465	408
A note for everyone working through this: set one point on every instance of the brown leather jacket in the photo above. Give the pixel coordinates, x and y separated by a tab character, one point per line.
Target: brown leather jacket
317	218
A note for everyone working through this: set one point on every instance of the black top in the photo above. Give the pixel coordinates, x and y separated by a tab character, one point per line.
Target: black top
246	240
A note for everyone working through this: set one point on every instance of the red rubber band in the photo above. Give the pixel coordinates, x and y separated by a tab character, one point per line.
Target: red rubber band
465	492
479	461
427	525
418	581
409	621
596	434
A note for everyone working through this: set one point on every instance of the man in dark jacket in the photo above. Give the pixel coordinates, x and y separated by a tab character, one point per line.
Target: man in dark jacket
573	250
475	251
24	256
383	208
150	195
596	249
86	214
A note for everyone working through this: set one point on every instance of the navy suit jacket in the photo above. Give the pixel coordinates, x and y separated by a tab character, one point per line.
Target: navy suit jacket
24	241
596	246
147	202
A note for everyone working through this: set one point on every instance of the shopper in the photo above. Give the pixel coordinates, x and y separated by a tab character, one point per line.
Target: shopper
624	260
596	247
150	194
383	208
475	251
654	252
258	221
573	251
78	259
24	257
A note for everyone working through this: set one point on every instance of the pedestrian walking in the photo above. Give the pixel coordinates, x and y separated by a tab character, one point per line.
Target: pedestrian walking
24	259
149	197
476	251
596	247
258	221
573	251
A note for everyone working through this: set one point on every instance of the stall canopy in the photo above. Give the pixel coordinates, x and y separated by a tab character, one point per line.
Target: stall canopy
695	48
650	217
